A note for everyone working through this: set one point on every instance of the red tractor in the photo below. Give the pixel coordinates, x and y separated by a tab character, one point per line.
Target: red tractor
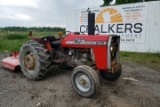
85	53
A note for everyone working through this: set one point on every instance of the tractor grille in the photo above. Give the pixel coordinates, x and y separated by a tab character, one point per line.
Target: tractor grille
113	50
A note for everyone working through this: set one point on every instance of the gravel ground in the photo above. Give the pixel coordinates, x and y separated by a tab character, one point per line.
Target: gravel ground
56	91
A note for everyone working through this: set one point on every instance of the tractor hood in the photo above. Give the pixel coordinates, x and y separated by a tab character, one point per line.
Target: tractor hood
84	41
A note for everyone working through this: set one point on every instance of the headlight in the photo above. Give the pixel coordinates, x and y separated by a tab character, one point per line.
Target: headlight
111	48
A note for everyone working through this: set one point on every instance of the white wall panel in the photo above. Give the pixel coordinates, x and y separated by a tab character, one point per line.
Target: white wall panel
151	21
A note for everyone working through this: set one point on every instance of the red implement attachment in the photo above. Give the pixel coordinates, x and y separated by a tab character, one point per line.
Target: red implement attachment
11	62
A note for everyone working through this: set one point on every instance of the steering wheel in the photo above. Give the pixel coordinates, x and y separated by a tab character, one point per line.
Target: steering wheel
61	34
65	32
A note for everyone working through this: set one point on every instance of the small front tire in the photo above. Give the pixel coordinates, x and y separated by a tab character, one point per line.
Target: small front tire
112	76
85	81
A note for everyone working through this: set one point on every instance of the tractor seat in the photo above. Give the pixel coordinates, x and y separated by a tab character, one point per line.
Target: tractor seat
54	42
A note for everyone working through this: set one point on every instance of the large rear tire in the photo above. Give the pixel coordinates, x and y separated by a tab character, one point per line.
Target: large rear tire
85	81
34	60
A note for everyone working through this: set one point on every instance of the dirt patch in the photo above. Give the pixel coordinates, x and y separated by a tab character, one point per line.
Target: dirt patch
56	91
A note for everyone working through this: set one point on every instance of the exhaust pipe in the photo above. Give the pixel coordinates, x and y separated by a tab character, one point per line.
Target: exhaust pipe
91	23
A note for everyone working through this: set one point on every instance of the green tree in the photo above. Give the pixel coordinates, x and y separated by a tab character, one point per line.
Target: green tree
127	1
106	2
38	29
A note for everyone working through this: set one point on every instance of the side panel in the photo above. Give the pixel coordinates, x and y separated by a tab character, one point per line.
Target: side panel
100	54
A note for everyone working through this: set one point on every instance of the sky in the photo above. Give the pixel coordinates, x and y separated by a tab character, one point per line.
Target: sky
40	13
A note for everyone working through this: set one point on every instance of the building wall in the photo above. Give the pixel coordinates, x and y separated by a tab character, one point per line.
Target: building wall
148	14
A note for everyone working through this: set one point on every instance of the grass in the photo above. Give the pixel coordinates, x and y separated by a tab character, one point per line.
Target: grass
151	60
10	41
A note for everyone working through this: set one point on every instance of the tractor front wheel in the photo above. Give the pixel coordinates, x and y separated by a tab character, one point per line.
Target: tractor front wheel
34	60
85	81
112	75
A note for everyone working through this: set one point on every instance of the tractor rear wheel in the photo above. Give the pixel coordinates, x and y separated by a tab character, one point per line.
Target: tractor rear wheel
85	81
34	60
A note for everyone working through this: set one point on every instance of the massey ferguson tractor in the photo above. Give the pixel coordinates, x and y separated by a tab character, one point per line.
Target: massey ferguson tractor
88	54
